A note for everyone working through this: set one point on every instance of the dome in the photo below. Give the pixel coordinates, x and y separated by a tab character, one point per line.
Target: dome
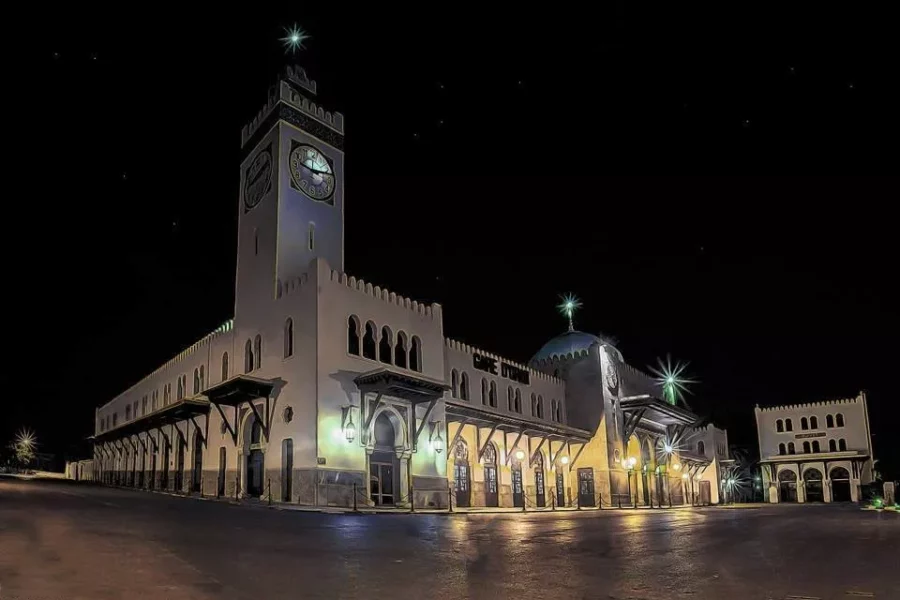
569	342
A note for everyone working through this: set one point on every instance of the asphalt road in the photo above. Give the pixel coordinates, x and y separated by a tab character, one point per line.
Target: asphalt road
67	541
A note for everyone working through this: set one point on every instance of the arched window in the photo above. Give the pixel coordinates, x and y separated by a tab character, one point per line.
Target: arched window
816	447
701	448
202	378
842	445
788	425
779	426
559	404
464	386
782	449
400	351
288	337
256	433
552	409
804	423
454	383
829	421
196	381
840	420
255	242
533	405
248	356
369	344
518	401
540	407
484	391
806	448
813	422
415	355
791	448
385	347
353	335
224	366
509	398
257	351
179	390
311	237
492	397
832	446
128	413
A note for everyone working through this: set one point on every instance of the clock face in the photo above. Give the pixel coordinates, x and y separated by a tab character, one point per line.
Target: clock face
311	172
258	178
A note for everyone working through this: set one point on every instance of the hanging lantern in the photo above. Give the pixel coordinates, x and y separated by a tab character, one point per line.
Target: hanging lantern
350	429
438	443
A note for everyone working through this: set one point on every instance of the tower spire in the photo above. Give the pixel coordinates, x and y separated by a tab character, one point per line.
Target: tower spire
568	306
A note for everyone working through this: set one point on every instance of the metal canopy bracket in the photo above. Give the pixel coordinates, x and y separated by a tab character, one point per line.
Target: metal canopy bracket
515	444
456	437
424	420
575	459
487	441
632	423
372	412
200	432
231	430
263	423
536	450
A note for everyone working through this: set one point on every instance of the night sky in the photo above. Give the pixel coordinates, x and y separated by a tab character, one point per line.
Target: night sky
494	162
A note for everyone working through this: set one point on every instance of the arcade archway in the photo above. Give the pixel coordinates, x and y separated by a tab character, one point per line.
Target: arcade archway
840	485
787	486
812	485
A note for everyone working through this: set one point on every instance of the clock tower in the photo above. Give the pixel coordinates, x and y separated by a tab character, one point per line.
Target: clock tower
291	207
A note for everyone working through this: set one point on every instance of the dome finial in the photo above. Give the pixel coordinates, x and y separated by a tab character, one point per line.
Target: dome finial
568	307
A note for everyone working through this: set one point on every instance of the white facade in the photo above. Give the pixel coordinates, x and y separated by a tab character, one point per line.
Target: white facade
815	452
325	389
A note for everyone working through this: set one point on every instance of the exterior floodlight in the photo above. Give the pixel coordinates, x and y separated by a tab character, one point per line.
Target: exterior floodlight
564	460
520	455
684	476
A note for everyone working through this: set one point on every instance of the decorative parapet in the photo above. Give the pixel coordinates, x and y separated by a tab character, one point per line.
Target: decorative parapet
290	286
203	342
462	347
824	403
285	92
424	310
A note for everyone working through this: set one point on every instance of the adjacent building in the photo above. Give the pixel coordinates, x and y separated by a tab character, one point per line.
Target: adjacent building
819	452
328	390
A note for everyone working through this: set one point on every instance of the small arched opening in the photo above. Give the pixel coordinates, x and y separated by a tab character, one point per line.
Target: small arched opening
840	485
787	486
812	485
462	479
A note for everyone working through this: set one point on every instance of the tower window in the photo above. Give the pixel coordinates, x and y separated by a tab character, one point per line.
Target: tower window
781	449
804	424
385	348
552	408
840	420
518	401
813	423
842	445
224	366
400	352
202	378
533	405
701	448
509	398
415	355
369	345
484	391
779	426
255	242
196	381
464	386
248	356
816	447
788	425
540	407
806	448
311	237
257	350
288	338
353	335
832	446
454	383
791	448
829	421
492	396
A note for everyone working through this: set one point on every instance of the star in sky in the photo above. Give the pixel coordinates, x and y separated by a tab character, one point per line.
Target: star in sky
294	39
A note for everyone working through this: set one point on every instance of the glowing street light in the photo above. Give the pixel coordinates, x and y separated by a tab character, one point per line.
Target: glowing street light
670	378
564	460
26	439
519	455
350	429
438	443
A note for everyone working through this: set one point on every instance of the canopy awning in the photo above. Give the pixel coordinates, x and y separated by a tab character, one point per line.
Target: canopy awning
462	413
400	384
657	410
816	456
167	415
239	389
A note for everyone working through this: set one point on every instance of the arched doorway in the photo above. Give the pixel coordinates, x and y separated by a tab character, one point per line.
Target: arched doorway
197	471
462	482
256	460
540	498
220	483
812	485
287	470
632	469
518	490
164	471
787	486
840	485
384	466
491	495
646	470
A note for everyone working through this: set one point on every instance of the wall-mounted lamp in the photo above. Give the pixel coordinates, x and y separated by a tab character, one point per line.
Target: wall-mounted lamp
519	455
347	425
564	460
437	442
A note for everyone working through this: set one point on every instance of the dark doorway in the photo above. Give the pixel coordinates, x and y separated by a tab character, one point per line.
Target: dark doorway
840	485
384	466
461	476
164	475
255	466
197	471
645	480
220	483
179	465
287	470
705	490
151	483
539	498
787	486
560	487
517	490
586	487
812	485
491	496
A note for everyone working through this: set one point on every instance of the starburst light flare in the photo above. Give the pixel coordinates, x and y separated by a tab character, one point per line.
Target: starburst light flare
294	39
672	380
568	306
